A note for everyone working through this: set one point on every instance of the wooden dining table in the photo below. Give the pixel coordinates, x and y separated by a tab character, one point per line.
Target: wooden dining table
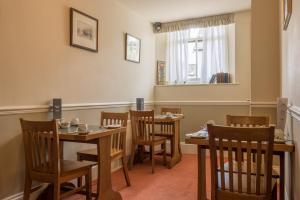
174	120
102	138
203	144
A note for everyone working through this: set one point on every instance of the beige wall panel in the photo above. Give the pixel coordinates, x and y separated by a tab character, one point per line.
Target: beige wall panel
265	69
270	112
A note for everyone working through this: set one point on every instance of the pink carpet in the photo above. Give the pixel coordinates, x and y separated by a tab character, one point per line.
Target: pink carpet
180	182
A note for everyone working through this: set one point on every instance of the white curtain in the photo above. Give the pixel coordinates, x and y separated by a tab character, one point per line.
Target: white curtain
215	52
177	56
214	57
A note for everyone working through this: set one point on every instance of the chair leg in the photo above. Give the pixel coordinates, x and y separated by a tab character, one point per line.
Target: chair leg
275	192
165	153
179	148
125	170
79	180
56	192
153	160
172	141
88	186
150	153
27	188
132	156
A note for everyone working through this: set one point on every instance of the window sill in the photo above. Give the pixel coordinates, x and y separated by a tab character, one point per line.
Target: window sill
197	84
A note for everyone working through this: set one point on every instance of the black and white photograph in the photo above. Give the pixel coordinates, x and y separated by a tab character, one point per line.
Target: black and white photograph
84	31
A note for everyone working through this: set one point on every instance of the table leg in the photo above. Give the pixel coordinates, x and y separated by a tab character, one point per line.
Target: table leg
176	156
61	150
105	191
201	173
179	139
282	174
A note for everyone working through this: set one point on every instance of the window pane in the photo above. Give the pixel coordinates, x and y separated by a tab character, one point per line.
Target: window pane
199	64
192	72
192	53
200	45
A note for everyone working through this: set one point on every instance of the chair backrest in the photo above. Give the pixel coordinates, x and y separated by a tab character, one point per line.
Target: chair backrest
41	142
258	141
108	118
142	124
171	110
247	121
118	140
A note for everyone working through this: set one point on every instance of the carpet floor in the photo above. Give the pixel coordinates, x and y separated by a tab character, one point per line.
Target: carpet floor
180	182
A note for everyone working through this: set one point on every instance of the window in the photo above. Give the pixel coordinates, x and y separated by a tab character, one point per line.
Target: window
196	55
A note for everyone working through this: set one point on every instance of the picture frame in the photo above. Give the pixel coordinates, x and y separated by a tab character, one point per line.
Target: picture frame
132	48
287	13
83	31
161	73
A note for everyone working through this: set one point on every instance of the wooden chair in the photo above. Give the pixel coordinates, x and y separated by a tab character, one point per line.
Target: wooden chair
43	164
227	184
167	128
142	124
247	121
170	110
118	143
250	121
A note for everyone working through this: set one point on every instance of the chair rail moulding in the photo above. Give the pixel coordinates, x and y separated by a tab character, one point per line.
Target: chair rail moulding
294	111
266	104
194	23
203	103
198	84
13	110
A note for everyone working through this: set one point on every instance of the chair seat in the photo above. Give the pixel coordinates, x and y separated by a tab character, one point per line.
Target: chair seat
275	171
70	166
157	140
244	183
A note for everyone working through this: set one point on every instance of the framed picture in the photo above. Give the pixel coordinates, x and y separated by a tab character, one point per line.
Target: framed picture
83	31
161	73
287	13
133	48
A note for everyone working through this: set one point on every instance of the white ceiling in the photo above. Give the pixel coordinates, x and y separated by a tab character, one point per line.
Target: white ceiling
171	10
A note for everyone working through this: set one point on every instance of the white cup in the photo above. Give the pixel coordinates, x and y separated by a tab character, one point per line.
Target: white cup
75	121
83	128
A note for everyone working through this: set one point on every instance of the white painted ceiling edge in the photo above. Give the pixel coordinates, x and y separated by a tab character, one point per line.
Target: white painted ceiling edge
172	10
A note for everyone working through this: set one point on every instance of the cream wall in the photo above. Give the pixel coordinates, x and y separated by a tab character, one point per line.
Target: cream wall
38	64
290	88
265	70
232	92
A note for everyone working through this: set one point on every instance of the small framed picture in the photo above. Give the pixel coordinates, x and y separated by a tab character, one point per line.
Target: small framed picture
133	48
161	73
287	13
84	31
